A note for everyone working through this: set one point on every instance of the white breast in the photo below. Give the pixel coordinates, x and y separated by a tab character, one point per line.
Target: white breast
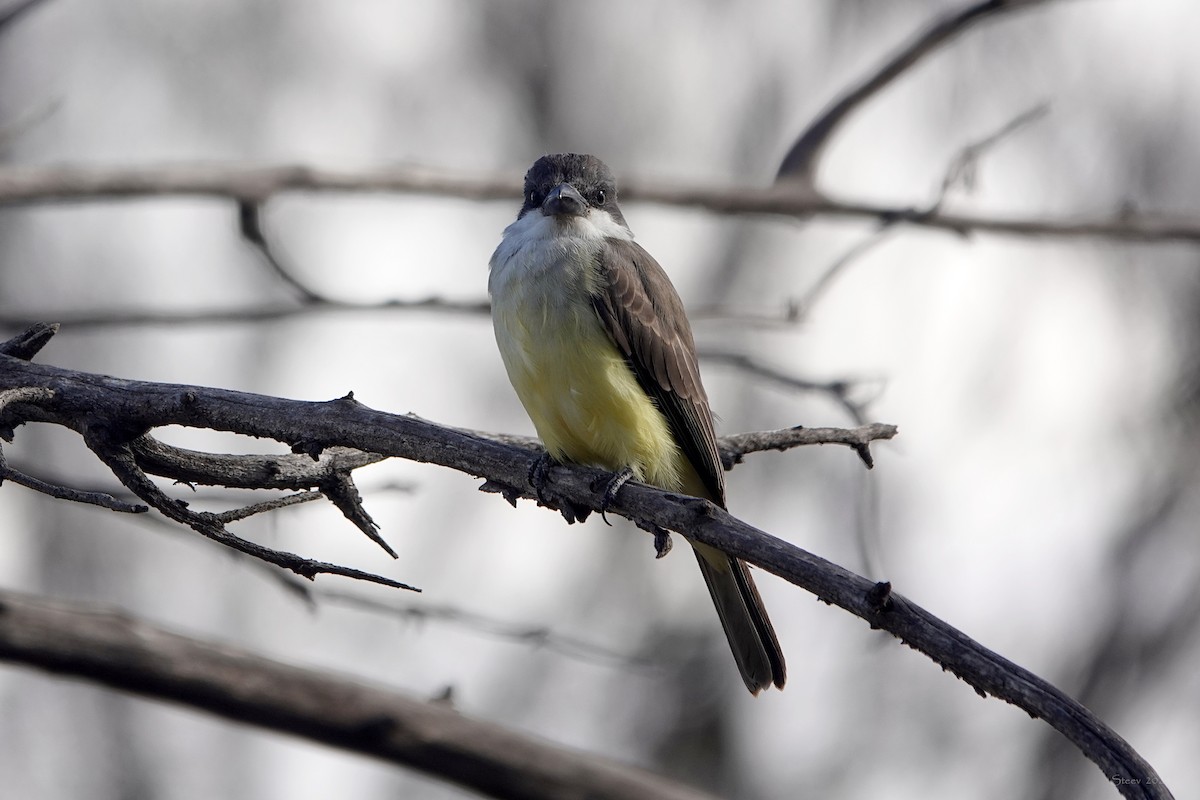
580	393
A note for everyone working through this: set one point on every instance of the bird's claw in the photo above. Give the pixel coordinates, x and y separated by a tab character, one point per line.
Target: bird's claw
662	542
613	486
539	475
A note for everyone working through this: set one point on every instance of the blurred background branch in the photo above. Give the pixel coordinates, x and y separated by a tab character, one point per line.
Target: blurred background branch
251	186
135	656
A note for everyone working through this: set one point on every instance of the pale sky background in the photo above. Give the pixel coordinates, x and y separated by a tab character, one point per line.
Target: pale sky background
1039	385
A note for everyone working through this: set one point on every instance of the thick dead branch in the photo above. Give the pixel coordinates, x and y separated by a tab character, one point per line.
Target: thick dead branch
986	672
135	656
101	407
114	416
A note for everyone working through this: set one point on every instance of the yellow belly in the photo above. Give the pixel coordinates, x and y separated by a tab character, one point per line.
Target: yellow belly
584	400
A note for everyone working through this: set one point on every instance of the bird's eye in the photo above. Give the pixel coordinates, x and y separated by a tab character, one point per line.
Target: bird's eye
533	198
601	196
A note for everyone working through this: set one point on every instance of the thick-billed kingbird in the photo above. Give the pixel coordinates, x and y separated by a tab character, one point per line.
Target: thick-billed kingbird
600	352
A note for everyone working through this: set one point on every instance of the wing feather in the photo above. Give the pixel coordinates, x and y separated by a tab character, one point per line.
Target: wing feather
644	317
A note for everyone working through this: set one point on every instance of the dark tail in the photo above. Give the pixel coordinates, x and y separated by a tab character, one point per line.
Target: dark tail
751	636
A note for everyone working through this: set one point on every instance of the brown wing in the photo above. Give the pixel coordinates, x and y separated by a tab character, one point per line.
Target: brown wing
645	318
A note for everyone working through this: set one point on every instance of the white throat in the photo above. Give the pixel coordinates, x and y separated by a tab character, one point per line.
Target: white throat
537	244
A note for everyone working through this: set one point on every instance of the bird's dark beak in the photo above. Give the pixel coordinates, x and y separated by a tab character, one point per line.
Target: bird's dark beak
564	201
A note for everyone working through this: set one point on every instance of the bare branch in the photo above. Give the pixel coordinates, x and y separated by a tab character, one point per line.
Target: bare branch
276	471
29	185
225	517
101	407
224	316
291	584
250	225
802	308
36	395
65	492
964	164
134	656
26	344
342	492
735	448
329	472
986	672
27	122
538	635
121	460
800	163
839	390
123	318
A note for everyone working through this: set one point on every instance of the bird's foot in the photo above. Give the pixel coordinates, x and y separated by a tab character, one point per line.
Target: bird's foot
613	486
539	475
539	479
662	537
662	542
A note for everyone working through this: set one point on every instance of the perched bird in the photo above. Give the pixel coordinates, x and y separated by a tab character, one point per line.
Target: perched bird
597	345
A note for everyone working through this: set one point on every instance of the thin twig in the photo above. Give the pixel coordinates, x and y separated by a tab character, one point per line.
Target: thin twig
838	390
251	228
245	512
120	459
538	635
339	488
804	306
734	448
58	492
963	166
27	122
294	586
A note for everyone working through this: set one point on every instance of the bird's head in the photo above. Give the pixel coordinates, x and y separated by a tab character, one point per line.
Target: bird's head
567	185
